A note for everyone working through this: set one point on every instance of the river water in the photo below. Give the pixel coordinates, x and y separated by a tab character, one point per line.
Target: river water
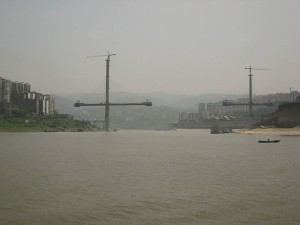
148	177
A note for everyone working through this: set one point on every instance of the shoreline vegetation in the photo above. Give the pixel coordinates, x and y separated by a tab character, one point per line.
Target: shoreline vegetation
67	124
257	131
50	124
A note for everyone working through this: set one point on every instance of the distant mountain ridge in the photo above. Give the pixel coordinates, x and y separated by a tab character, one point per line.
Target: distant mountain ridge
157	98
165	110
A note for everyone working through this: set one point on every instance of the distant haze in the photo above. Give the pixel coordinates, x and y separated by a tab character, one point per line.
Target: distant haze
187	47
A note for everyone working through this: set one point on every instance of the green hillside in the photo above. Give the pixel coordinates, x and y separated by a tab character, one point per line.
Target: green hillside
57	123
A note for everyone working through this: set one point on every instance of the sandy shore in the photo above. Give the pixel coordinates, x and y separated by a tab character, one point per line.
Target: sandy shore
272	131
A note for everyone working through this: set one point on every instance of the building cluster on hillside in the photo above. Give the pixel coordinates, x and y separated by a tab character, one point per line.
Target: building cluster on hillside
213	111
14	94
238	114
216	111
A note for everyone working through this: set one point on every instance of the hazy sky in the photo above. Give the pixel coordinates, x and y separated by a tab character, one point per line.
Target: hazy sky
174	46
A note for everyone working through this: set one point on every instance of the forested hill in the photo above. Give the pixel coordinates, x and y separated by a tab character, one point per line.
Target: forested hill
161	115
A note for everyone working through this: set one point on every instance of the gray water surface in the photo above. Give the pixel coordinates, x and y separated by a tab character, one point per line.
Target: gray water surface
148	177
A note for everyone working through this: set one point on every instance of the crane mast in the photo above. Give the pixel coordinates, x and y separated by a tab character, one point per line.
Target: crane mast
250	88
250	104
106	88
107	104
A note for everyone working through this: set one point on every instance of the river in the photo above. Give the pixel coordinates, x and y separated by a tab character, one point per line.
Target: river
148	177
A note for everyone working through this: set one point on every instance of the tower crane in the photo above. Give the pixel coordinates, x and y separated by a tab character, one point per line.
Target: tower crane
107	104
228	103
250	87
106	88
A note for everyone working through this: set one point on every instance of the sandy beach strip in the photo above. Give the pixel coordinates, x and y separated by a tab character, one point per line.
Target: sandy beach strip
271	131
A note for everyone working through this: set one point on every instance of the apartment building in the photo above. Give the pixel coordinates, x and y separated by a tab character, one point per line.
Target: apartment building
12	92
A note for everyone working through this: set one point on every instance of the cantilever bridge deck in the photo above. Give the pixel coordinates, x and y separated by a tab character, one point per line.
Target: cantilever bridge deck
79	104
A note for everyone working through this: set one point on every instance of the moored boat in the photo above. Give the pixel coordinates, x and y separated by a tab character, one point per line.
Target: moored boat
268	141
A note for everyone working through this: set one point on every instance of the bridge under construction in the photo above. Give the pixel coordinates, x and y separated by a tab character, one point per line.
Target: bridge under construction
250	103
107	104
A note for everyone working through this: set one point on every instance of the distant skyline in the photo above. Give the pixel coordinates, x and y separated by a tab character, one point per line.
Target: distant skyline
189	47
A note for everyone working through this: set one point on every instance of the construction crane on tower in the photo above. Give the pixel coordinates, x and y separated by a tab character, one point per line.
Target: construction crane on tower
251	104
107	104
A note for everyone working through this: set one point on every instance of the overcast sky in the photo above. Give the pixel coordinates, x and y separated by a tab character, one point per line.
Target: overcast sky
174	46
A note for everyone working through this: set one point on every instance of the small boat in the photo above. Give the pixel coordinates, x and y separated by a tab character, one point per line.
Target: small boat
268	141
215	129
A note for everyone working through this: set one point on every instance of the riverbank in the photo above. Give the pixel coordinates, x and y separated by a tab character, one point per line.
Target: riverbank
271	131
45	124
24	129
